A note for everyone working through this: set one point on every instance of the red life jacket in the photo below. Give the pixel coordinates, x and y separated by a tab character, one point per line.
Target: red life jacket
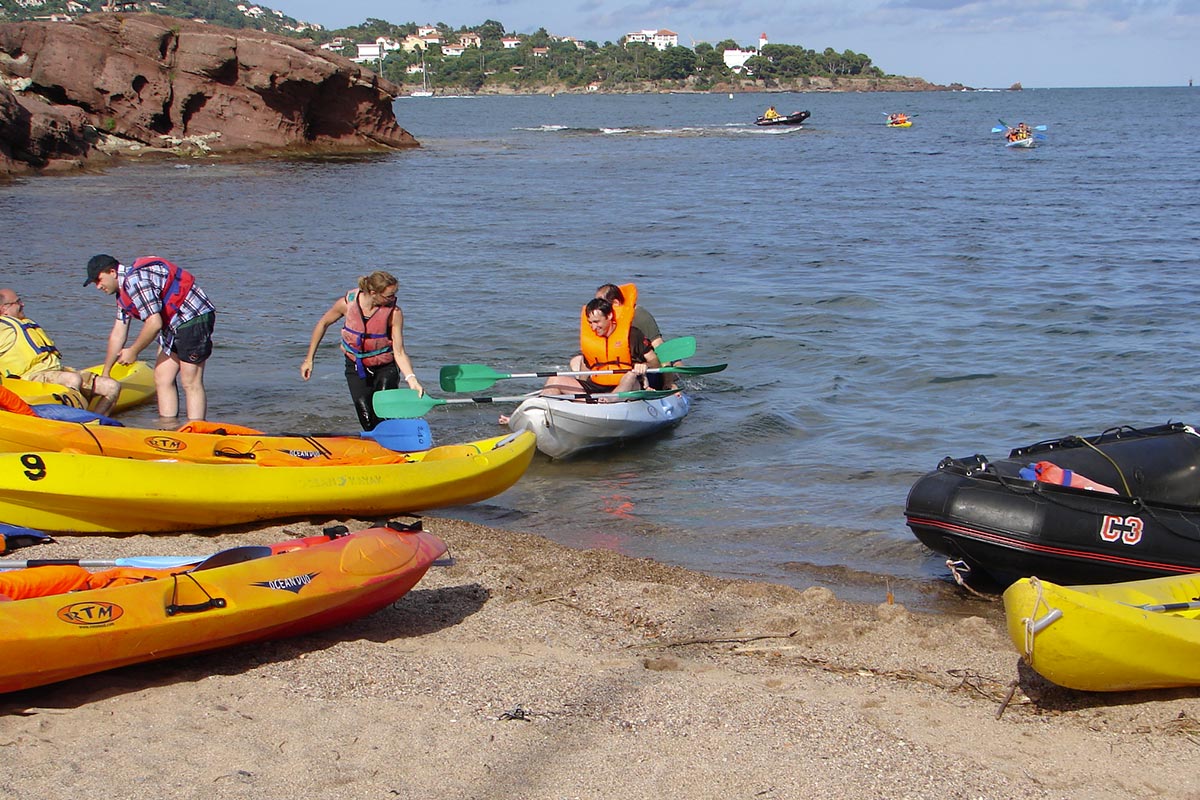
179	283
367	342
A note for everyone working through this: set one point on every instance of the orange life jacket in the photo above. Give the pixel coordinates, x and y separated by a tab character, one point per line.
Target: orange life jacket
11	401
615	350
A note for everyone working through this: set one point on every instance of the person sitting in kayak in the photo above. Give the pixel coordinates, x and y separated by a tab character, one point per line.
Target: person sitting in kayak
771	113
897	119
608	340
1018	133
27	352
643	320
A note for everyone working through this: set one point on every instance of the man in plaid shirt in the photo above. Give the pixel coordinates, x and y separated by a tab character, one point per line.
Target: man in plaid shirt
174	310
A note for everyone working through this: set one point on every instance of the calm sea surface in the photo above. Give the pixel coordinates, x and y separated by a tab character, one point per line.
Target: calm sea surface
884	297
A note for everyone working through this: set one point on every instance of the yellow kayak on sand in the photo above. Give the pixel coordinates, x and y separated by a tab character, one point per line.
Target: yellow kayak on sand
79	493
136	379
1112	637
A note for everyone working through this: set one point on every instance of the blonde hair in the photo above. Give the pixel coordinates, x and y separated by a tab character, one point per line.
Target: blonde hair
377	281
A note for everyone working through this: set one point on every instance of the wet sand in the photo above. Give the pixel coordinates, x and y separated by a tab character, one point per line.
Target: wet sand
530	670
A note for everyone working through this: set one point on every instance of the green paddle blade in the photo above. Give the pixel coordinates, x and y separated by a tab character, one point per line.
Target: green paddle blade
469	377
699	370
676	349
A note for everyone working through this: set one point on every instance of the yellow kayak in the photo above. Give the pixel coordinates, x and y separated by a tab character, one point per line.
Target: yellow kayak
1112	637
202	442
137	386
907	124
79	493
62	621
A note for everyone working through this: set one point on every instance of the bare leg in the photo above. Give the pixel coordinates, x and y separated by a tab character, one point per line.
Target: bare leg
166	369
105	392
192	378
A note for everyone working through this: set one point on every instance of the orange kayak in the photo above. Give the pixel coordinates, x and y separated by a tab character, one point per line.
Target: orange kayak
67	622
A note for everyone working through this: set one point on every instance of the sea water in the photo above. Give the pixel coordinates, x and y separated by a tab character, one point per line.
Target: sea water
883	297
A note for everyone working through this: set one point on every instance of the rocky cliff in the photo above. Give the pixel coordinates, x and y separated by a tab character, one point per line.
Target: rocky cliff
75	93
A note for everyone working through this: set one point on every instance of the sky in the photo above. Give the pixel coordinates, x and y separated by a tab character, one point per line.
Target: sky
981	44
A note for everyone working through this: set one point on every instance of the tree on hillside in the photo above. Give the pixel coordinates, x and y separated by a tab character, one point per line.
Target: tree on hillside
675	63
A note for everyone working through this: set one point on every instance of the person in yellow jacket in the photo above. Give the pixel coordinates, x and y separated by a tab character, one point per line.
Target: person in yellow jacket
28	352
771	113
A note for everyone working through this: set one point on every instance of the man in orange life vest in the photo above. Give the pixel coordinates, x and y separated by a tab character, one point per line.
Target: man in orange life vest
607	341
172	308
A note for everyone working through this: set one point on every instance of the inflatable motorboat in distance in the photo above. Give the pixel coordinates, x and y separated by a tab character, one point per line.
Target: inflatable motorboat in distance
791	119
1122	505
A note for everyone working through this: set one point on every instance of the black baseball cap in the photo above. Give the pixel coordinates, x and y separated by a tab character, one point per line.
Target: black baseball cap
98	264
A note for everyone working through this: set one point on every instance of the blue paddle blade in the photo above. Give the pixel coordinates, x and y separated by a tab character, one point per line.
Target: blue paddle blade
402	435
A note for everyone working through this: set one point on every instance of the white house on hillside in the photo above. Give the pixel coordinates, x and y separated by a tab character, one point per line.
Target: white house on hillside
736	59
373	51
661	39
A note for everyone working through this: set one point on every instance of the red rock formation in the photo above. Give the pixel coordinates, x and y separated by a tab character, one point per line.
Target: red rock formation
123	83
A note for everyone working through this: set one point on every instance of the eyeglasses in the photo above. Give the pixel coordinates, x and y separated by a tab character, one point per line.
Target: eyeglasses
16	302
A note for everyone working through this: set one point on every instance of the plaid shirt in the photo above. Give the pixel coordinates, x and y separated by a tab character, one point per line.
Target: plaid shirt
145	286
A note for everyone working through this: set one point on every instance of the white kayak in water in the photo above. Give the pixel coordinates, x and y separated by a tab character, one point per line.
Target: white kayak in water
564	427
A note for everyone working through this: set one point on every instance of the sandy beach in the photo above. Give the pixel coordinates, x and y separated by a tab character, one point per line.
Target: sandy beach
529	670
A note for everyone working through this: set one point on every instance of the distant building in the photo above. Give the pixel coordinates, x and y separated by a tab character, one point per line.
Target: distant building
736	60
373	51
662	39
510	42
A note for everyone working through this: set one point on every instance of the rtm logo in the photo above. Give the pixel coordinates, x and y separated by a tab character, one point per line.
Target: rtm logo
1126	530
89	614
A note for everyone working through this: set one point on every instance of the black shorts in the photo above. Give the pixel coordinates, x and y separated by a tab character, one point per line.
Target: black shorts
193	339
594	388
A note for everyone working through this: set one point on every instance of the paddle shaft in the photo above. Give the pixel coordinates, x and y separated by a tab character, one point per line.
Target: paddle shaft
140	562
404	402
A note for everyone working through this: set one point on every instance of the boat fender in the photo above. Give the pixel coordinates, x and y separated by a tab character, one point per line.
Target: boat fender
1047	472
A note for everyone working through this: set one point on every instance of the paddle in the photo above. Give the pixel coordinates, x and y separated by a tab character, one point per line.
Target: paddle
138	562
1007	127
406	403
401	435
476	378
1169	607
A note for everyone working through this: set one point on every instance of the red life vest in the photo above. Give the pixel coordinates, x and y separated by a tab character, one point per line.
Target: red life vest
367	341
179	283
615	350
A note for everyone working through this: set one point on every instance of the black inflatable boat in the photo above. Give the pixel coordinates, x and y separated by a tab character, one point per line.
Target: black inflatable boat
790	119
1000	521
